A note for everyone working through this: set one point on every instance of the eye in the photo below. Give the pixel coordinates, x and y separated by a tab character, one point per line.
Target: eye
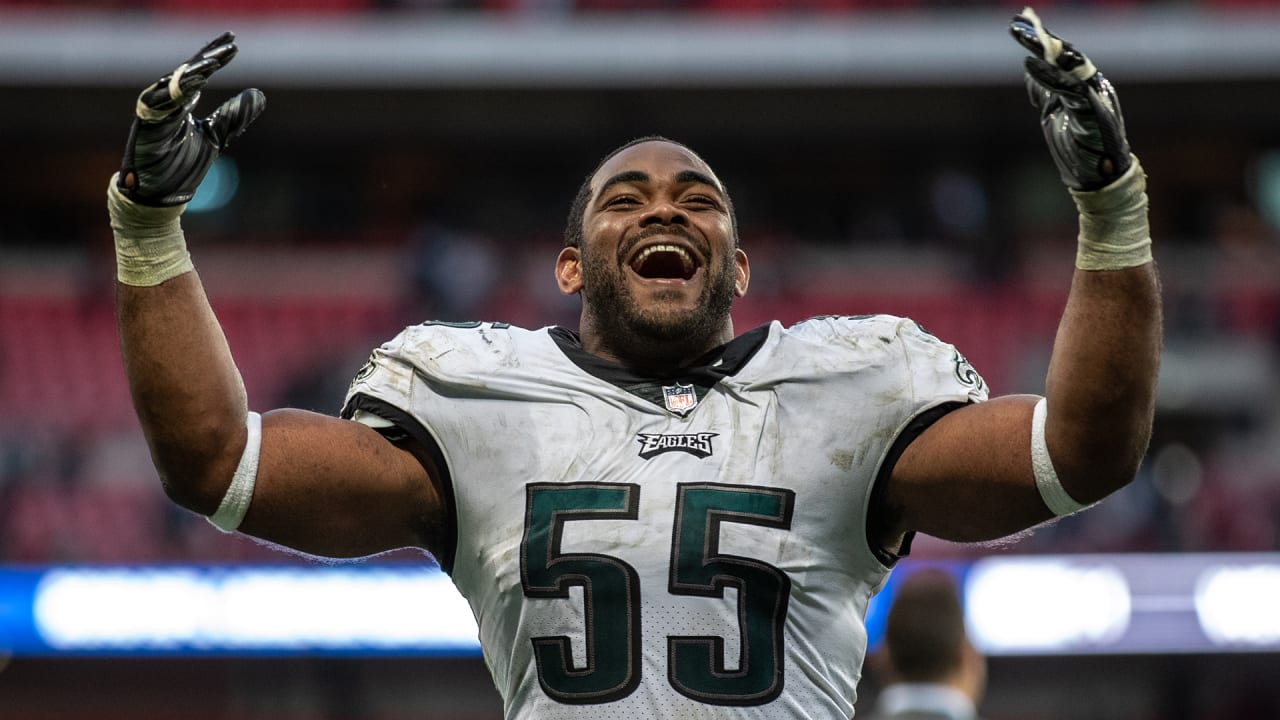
703	202
621	200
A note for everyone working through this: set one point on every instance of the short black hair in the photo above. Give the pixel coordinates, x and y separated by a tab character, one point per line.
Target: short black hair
578	209
925	632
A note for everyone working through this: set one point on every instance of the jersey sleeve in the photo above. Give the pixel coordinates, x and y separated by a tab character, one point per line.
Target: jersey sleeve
937	372
387	376
941	380
381	396
918	379
916	370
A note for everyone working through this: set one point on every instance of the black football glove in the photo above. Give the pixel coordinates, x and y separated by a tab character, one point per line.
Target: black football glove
1079	110
169	151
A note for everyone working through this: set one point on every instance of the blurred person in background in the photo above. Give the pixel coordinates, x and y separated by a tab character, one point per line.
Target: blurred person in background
652	516
932	671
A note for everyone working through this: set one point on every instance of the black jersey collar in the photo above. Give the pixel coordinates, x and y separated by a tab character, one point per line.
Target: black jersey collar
703	373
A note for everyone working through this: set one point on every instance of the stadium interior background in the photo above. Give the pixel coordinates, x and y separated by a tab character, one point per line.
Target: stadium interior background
882	156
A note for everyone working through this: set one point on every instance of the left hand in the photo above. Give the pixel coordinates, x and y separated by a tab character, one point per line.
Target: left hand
1079	110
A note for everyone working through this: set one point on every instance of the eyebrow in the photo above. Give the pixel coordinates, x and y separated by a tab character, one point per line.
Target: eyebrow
627	176
693	176
683	177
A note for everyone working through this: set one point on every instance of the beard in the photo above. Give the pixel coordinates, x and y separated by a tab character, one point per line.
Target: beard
659	336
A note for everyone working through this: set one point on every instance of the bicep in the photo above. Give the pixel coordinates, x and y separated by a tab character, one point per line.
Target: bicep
337	488
968	477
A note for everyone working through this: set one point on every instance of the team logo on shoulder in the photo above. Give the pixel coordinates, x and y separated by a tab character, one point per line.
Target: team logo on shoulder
966	374
365	371
679	398
696	444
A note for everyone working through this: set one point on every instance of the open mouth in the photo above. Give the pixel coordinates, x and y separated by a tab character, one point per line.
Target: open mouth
665	262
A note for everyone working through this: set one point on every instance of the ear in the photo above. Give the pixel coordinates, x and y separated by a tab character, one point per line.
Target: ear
569	271
743	273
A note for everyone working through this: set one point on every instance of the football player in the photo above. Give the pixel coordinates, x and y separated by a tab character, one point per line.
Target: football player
654	515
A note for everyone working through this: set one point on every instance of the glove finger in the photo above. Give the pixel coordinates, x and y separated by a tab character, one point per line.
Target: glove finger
234	116
165	96
195	75
1070	58
197	70
220	45
1053	78
1042	97
1025	33
1031	34
1110	123
159	103
1103	95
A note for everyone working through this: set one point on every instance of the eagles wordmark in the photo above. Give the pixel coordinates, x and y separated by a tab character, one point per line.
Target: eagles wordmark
696	444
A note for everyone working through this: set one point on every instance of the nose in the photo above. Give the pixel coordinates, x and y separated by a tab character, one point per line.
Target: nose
664	212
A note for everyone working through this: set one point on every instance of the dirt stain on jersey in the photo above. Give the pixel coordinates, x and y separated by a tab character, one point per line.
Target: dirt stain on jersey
843	459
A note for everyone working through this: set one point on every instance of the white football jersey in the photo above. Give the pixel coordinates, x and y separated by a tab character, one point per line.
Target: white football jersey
692	546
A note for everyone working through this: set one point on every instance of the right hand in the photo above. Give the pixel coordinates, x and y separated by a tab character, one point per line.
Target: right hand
169	151
1079	110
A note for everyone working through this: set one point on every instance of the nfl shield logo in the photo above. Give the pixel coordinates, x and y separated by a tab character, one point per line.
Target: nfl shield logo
680	398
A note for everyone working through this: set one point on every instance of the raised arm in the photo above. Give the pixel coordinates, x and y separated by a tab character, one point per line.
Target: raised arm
319	484
991	469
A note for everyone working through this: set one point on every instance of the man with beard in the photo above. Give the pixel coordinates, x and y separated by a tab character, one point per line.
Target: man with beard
659	324
653	516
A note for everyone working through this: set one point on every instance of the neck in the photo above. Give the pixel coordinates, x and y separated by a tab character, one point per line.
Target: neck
650	355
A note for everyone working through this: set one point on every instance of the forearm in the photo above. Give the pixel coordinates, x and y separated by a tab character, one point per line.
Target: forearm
315	483
186	389
1093	431
1101	383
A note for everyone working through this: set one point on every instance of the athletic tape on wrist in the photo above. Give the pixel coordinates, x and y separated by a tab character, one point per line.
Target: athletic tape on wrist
1051	491
1114	232
235	503
150	246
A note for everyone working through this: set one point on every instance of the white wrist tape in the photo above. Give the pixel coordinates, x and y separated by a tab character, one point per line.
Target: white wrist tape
150	247
1114	233
1051	491
235	503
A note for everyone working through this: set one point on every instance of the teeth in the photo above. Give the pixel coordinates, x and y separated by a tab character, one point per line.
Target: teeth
644	254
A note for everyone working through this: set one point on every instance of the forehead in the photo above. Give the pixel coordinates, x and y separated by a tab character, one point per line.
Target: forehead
657	159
